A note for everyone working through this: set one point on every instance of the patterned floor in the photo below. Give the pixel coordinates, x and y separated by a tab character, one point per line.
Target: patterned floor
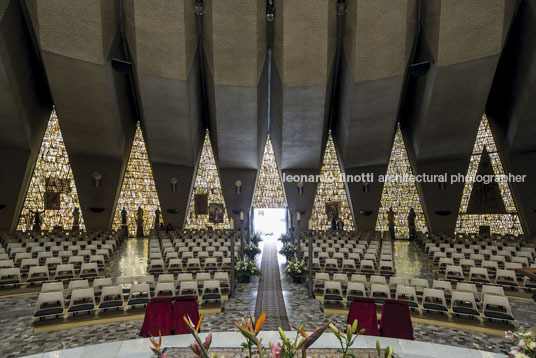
19	338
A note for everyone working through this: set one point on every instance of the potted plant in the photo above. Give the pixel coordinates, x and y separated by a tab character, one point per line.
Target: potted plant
288	250
244	270
285	238
251	250
296	269
255	239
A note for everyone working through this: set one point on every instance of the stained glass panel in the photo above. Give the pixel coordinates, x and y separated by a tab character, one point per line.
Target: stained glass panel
401	195
207	181
331	188
52	174
138	189
499	223
269	190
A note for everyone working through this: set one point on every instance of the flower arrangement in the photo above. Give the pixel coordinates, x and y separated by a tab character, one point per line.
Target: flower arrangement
347	340
285	238
525	343
249	327
255	239
296	269
288	250
247	268
251	250
157	346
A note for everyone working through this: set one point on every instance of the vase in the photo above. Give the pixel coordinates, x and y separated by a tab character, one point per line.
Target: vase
244	279
297	279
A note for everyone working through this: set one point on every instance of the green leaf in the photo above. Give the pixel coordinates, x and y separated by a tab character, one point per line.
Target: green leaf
378	349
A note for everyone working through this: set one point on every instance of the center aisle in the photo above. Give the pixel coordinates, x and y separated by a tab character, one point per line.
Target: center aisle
270	295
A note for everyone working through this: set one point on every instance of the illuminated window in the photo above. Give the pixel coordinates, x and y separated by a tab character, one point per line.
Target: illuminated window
399	193
207	182
498	223
331	189
138	189
269	190
52	180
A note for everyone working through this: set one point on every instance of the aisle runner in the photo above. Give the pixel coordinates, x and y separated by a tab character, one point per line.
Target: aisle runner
270	296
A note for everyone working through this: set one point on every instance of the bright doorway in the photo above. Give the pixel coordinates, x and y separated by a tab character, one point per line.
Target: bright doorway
270	223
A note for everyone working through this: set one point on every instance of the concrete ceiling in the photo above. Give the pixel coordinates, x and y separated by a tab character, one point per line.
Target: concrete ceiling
242	77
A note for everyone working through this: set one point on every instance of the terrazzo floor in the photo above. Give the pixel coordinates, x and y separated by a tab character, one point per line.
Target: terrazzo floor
19	338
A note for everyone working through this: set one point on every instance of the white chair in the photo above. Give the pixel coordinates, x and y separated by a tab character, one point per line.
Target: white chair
497	308
139	295
463	303
193	265
386	268
49	304
38	274
52	287
367	267
407	293
211	264
64	272
166	278
479	275
174	266
156	266
149	279
348	266
319	280
211	292
82	300
454	273
333	293
434	300
380	292
164	289
331	265
89	270
506	278
492	290
446	286
420	284
223	277
6	264
10	276
125	282
188	288
395	281
355	289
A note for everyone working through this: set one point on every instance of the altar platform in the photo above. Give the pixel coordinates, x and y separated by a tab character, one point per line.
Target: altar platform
140	348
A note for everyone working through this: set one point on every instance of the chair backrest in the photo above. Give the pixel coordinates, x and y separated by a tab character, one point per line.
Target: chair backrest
77	284
99	283
124	280
165	287
434	295
492	290
495	302
396	320
169	277
52	287
364	310
459	297
380	290
378	279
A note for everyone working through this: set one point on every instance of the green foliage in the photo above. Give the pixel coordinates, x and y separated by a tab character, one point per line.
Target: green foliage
247	268
296	269
288	250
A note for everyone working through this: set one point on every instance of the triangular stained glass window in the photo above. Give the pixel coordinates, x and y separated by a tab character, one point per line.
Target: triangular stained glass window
52	189
331	190
138	189
400	193
207	205
269	189
470	217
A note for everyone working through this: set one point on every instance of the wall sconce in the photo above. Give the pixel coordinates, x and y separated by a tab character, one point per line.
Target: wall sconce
241	215
298	216
238	186
365	187
173	184
299	187
97	179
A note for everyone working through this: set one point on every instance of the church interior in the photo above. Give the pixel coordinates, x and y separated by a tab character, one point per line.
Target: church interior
267	178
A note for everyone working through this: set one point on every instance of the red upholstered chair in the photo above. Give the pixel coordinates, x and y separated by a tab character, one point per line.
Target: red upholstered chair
157	317
396	320
184	306
364	310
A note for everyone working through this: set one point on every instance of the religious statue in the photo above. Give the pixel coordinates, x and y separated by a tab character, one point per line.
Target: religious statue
156	219
76	218
139	222
123	217
37	220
